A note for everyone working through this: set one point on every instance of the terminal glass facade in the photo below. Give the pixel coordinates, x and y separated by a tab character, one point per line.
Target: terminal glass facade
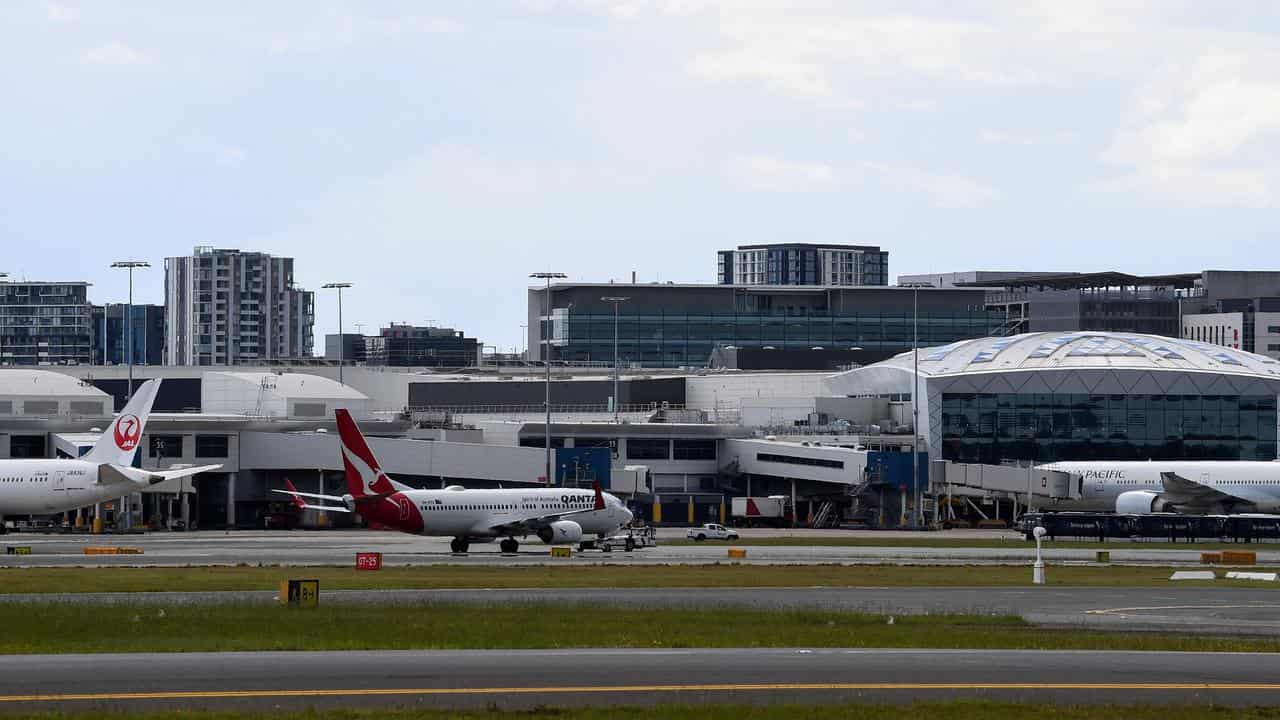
673	340
990	427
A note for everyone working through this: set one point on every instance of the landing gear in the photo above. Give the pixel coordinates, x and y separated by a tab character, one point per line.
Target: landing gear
459	545
509	546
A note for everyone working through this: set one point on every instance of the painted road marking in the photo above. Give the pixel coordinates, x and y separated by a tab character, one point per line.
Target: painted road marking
1108	611
574	689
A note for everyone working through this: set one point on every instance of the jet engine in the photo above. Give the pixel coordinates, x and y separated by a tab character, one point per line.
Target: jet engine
1141	502
561	532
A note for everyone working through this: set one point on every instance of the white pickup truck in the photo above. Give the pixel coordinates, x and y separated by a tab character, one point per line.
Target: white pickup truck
711	531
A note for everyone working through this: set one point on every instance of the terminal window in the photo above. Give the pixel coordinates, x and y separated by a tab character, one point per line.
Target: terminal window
648	449
211	446
993	427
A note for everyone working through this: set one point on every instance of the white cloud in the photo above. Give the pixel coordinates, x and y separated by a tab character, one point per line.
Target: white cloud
1204	132
61	13
762	173
114	53
232	156
946	189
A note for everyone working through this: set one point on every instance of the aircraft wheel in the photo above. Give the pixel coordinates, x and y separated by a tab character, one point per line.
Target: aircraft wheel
509	546
459	545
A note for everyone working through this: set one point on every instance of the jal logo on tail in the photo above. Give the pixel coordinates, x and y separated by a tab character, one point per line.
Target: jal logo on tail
128	432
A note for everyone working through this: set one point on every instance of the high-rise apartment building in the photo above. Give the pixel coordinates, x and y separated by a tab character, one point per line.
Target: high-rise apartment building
45	323
229	307
803	264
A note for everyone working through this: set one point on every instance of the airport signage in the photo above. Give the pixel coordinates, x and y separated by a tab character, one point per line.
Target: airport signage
368	561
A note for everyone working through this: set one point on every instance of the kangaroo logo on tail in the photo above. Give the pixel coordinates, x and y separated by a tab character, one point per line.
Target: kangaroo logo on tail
364	476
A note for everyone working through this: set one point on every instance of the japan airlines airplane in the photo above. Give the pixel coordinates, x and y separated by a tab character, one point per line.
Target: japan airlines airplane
556	516
39	486
1183	486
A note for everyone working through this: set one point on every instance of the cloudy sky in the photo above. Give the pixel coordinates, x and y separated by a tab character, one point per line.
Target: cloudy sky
434	154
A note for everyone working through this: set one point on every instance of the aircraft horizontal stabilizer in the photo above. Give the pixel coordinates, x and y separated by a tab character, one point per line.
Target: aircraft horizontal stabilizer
110	473
314	496
323	508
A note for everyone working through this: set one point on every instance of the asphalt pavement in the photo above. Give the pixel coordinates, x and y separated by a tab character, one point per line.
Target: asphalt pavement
304	548
521	679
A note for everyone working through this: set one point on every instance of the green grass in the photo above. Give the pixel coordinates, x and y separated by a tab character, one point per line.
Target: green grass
76	628
943	541
570	575
954	710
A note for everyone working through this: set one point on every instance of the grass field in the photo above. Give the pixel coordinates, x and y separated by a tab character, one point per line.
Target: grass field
941	541
956	710
61	580
77	628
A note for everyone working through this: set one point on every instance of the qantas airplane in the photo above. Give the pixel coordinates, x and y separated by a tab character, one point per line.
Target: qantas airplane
39	486
1182	486
556	516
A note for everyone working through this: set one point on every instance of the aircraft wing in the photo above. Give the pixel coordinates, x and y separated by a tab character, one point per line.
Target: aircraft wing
1182	491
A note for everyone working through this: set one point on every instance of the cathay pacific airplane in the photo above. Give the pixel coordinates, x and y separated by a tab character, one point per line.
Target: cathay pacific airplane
1201	487
40	486
556	516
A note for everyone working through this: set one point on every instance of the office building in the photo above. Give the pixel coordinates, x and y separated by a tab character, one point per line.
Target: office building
1236	309
147	334
347	347
45	323
803	264
422	346
228	307
669	325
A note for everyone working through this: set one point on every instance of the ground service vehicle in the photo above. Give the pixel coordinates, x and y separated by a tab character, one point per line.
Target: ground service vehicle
756	511
711	531
630	539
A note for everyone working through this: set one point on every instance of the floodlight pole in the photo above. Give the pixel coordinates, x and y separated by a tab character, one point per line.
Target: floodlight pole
341	340
128	349
546	359
617	400
3	275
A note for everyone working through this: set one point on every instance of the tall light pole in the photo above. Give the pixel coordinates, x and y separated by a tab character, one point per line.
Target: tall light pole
128	349
546	359
617	399
2	276
917	515
342	341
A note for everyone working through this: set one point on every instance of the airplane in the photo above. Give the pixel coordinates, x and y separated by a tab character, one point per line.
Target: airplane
1199	487
42	486
556	516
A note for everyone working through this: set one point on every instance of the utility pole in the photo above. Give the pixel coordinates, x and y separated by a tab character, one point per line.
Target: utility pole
617	399
546	359
342	341
125	506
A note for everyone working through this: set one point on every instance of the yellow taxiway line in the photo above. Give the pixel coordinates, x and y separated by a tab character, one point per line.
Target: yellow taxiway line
619	689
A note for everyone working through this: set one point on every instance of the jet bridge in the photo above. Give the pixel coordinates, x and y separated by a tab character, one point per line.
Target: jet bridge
1008	480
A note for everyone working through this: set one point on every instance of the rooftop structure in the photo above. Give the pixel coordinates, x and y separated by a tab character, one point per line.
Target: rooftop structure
803	264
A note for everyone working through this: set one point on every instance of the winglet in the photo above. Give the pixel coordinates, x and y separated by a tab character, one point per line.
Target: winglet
599	495
297	501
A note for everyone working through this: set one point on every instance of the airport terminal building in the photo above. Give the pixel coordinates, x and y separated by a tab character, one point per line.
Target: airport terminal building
1082	396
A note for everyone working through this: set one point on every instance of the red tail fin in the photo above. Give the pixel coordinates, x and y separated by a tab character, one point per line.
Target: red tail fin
364	477
599	496
297	501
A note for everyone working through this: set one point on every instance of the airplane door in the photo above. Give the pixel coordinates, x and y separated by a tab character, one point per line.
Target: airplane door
58	496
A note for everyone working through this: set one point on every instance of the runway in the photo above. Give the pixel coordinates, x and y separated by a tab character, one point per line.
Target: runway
1217	611
304	548
521	679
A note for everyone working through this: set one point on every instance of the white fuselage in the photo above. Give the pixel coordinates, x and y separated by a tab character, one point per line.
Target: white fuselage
44	486
1255	483
474	513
